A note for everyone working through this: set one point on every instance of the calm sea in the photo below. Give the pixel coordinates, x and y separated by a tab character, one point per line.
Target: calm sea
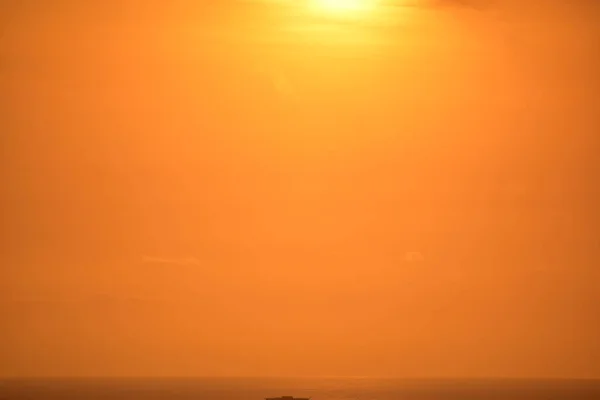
317	389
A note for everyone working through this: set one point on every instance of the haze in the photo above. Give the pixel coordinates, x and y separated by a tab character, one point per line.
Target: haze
254	189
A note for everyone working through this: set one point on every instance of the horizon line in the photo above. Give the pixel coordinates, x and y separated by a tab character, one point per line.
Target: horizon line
366	377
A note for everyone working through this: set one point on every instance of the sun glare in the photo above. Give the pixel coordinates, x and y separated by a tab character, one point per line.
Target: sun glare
342	6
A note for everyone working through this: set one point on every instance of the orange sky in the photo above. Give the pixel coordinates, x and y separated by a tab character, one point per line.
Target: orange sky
247	188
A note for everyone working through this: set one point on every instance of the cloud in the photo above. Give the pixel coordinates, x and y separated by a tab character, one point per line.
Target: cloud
171	261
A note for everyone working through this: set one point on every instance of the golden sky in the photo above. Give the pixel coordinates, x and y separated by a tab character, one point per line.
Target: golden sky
277	188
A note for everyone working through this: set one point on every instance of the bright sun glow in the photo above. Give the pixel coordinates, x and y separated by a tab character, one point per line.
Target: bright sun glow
343	6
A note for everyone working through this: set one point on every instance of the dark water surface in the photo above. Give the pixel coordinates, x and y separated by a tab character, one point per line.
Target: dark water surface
318	389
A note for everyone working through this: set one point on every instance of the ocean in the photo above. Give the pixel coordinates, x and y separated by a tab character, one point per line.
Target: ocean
317	389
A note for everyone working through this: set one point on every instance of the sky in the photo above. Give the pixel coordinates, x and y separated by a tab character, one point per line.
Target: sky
268	188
